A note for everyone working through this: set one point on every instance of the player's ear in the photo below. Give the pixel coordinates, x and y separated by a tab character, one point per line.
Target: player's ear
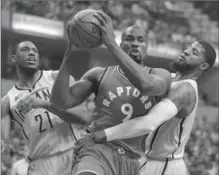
13	59
204	66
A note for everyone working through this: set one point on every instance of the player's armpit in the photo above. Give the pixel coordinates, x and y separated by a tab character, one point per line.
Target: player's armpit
182	94
88	84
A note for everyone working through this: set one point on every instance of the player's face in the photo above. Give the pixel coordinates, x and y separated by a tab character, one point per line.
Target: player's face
27	56
134	43
191	58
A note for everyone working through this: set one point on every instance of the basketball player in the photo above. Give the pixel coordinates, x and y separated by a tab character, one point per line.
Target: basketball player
51	140
170	121
122	92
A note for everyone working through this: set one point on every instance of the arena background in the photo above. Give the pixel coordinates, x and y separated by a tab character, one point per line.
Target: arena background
172	25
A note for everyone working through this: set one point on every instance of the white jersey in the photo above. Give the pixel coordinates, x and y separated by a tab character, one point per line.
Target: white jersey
47	133
170	138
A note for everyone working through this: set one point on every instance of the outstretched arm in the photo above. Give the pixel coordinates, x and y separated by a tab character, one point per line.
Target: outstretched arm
138	126
147	83
181	95
80	91
76	115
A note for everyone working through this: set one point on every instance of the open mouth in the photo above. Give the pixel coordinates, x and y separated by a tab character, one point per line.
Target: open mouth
31	60
182	58
135	52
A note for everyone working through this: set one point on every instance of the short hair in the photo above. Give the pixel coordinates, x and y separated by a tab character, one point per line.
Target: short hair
14	50
209	54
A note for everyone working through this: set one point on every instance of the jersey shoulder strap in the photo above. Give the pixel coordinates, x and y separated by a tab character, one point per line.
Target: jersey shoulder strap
47	76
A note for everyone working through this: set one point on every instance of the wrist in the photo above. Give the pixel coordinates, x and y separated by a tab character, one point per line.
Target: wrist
99	137
45	104
112	44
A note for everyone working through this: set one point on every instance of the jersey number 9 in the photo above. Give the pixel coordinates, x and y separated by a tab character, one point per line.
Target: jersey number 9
127	110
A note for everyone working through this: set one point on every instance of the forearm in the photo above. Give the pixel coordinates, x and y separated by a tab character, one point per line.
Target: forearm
160	113
74	115
60	91
134	72
128	129
5	128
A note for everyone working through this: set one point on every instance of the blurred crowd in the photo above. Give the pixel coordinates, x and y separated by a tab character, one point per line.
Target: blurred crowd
201	154
18	151
173	23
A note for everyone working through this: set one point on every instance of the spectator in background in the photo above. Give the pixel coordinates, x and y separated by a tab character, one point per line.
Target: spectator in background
20	167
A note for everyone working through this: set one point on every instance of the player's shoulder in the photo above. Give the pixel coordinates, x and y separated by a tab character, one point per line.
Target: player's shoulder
50	73
5	99
18	163
183	86
183	92
14	91
97	69
161	72
94	73
5	105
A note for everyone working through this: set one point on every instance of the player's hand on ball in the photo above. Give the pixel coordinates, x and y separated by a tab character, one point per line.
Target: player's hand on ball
106	26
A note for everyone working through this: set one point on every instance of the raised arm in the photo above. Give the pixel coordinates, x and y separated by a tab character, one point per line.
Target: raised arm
62	96
147	83
181	95
79	90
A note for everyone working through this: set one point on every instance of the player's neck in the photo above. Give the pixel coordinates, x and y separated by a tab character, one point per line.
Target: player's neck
188	75
27	80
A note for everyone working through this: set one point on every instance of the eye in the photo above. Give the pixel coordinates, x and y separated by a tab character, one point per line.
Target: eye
24	49
129	38
35	50
195	52
141	39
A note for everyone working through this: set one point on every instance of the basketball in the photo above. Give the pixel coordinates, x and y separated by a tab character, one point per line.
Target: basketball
82	32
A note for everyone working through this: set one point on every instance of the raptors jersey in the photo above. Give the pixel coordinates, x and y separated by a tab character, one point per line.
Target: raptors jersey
170	138
118	101
47	133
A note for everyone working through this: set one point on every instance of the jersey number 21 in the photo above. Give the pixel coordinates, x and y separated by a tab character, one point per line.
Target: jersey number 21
41	120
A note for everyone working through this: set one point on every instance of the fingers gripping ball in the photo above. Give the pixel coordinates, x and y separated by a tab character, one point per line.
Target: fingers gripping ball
82	32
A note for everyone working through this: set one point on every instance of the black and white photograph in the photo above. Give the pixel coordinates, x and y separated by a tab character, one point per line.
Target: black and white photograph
115	87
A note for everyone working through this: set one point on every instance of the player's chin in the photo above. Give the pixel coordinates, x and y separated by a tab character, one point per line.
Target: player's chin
175	66
31	67
137	59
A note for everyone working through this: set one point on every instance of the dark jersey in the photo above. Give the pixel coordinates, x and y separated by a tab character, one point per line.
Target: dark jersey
117	101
